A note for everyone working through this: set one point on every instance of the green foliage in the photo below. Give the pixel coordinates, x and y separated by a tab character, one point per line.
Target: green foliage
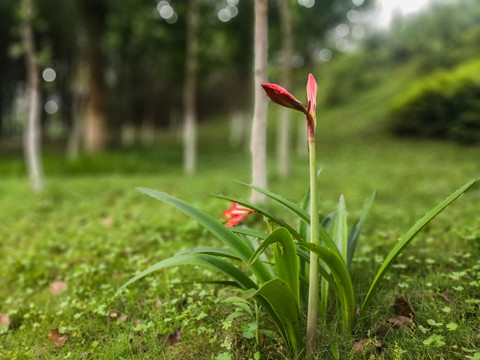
446	105
279	293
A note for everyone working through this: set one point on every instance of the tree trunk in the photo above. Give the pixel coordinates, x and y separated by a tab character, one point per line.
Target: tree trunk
96	118
283	135
94	17
32	136
190	89
237	128
259	124
79	91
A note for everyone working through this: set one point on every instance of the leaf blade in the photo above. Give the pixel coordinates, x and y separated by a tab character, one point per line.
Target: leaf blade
215	227
410	235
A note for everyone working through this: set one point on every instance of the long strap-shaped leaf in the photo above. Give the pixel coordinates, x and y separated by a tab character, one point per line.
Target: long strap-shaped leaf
343	288
249	232
340	233
202	260
301	212
282	301
216	228
287	204
210	251
286	259
408	236
264	212
354	234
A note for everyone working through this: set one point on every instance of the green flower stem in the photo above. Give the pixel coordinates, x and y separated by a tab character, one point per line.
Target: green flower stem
314	274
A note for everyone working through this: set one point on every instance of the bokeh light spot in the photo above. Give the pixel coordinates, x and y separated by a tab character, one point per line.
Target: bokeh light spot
51	107
325	55
307	3
49	75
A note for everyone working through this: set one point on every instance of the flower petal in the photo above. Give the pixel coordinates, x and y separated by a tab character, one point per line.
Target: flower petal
236	214
282	97
312	94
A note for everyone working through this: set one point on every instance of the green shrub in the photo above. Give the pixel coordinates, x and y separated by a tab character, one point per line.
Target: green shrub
445	105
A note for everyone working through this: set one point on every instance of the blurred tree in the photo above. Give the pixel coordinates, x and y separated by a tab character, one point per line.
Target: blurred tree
32	135
259	124
190	89
93	14
283	129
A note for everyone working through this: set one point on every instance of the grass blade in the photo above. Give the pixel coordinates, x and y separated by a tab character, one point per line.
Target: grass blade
409	236
216	228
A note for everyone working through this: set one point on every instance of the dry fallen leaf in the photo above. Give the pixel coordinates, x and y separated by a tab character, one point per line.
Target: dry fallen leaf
4	320
57	339
448	297
368	347
175	337
158	304
115	315
400	321
107	222
58	287
402	307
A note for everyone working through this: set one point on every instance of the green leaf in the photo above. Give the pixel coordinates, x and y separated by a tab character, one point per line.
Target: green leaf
202	260
264	212
216	228
354	234
303	227
409	236
282	301
286	259
249	232
340	229
342	284
334	351
287	204
211	251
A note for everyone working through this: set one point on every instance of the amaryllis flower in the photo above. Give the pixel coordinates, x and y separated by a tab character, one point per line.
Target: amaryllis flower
282	97
236	214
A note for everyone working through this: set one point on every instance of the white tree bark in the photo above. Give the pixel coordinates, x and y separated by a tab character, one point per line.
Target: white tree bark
259	124
190	90
32	136
283	130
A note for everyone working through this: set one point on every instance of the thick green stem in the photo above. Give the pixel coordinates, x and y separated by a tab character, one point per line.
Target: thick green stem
314	275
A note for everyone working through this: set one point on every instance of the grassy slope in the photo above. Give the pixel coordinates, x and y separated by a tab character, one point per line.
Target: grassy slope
95	231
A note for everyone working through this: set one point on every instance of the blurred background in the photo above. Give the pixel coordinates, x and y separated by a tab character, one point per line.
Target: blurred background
114	78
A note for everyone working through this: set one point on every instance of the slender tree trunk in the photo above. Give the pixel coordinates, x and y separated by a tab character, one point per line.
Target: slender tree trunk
190	89
283	135
237	128
259	124
32	136
96	118
79	90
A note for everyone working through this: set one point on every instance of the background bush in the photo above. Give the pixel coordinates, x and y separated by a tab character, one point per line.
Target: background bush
445	105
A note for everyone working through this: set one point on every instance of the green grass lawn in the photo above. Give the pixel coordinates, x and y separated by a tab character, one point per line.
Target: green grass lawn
93	231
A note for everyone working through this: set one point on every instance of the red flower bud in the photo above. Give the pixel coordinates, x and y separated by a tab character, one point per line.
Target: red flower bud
282	97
